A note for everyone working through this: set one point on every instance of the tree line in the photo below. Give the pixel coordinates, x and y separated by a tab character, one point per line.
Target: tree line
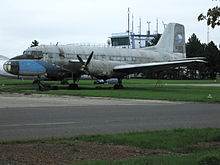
194	48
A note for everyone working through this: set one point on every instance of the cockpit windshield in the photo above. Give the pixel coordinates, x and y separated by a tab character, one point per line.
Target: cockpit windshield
37	55
34	54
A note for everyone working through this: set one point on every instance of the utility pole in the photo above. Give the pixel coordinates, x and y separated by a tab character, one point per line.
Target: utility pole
128	27
148	31
132	28
140	32
208	35
157	27
132	33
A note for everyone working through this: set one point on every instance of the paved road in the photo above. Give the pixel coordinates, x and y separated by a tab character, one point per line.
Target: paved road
37	116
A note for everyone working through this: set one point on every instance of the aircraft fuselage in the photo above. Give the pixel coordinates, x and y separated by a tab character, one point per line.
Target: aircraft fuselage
104	59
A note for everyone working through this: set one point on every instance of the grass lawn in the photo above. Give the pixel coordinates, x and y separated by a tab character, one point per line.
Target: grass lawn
134	89
189	142
184	146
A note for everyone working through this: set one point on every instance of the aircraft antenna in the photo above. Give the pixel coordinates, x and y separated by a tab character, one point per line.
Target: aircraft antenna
164	25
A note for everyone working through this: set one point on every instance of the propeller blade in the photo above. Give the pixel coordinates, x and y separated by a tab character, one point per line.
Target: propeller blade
89	59
84	66
61	54
80	59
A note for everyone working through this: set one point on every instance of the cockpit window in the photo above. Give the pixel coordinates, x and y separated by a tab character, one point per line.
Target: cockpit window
27	53
37	55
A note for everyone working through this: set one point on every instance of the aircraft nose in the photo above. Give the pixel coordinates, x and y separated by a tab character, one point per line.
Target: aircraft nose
11	67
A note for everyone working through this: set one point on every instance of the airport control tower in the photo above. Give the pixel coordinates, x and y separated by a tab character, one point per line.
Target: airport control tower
130	39
133	41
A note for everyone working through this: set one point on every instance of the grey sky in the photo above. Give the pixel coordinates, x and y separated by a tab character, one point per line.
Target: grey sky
73	21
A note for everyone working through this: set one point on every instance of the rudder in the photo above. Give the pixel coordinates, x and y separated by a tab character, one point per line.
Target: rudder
173	39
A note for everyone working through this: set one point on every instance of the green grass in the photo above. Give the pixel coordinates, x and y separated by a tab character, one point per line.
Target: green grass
182	142
191	159
177	140
152	81
134	89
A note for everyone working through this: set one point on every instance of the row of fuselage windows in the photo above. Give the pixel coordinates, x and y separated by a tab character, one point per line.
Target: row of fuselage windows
39	54
110	58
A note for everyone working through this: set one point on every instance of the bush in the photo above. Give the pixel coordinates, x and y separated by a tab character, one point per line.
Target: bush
210	160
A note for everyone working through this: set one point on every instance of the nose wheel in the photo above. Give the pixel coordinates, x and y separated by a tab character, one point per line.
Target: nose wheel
41	86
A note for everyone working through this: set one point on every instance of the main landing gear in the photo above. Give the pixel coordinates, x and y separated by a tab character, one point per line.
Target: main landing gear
74	86
119	84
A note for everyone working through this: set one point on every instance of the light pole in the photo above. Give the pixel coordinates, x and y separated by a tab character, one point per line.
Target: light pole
148	31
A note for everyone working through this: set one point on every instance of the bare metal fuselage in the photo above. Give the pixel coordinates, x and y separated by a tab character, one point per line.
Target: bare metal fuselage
104	59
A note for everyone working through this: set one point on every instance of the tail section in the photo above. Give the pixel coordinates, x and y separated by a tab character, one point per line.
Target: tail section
173	39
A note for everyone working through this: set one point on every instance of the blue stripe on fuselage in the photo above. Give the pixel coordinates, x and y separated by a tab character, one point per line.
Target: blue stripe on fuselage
30	67
35	67
49	67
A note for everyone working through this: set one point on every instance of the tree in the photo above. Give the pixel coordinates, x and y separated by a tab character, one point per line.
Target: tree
212	55
34	43
194	48
212	17
155	40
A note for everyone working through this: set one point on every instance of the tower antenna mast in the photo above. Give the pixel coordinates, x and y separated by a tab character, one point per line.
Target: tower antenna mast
128	27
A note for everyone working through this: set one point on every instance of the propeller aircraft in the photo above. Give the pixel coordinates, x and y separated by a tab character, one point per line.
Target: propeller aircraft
103	62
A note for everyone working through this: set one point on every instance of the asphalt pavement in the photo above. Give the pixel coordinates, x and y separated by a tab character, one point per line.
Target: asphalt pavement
40	116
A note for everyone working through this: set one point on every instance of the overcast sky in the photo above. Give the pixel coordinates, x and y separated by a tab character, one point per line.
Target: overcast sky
74	21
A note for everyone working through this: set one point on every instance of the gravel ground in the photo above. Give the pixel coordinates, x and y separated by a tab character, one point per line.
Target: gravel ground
66	152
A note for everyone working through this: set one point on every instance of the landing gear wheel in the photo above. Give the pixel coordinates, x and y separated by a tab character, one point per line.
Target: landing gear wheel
43	87
73	86
118	86
64	82
36	81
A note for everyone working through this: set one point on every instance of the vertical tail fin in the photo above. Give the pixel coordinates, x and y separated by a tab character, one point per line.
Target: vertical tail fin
173	39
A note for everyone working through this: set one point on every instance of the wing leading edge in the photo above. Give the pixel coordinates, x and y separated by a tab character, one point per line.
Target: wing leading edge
157	66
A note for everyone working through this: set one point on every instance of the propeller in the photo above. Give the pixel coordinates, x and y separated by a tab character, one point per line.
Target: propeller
61	52
84	66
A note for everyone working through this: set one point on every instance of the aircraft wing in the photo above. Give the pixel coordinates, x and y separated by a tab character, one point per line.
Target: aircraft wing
156	66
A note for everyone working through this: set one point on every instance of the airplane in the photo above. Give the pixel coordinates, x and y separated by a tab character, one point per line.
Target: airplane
105	62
